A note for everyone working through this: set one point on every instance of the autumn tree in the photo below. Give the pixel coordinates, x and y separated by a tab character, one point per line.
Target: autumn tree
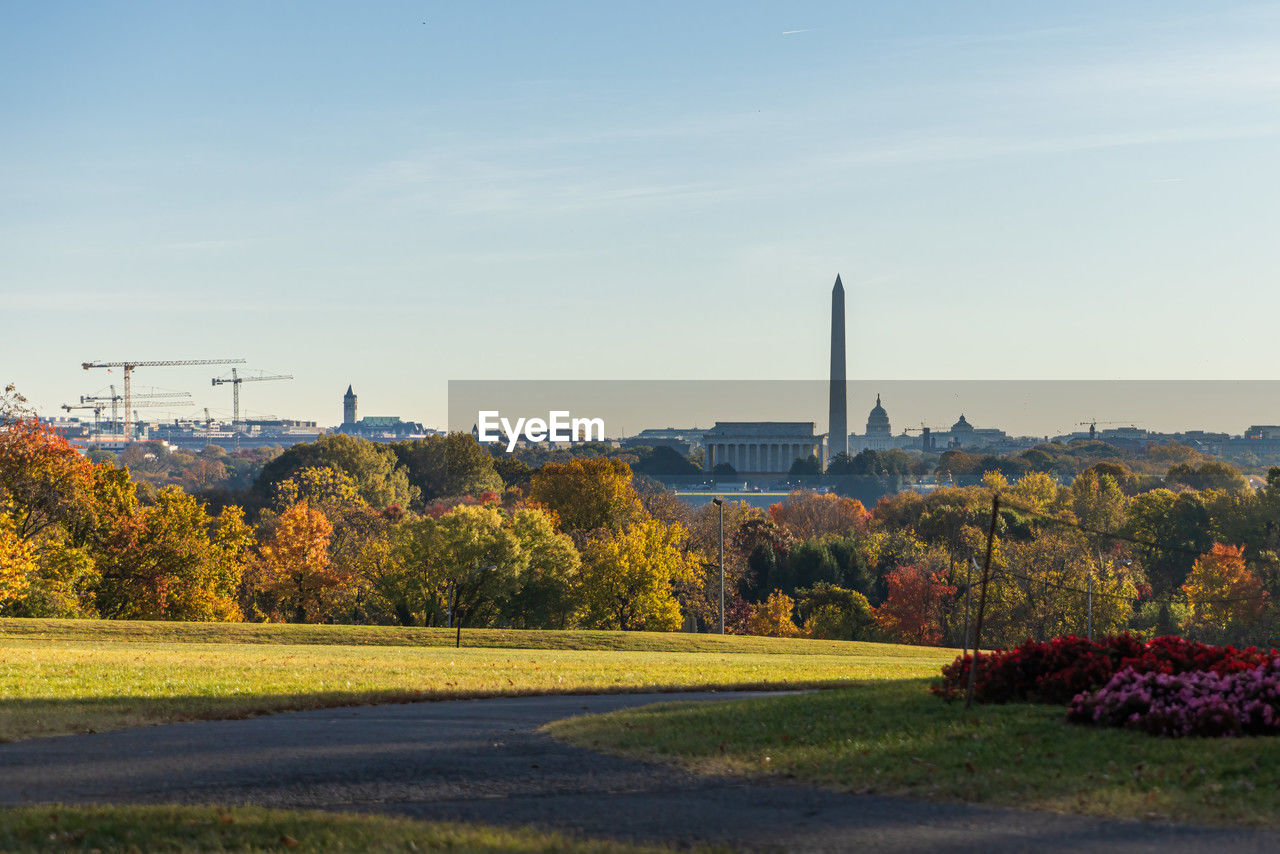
1224	598
914	610
17	561
43	480
772	618
701	596
1040	588
171	561
588	494
544	598
628	577
466	565
294	577
809	514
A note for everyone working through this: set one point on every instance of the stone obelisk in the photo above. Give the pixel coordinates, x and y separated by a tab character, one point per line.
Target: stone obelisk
838	416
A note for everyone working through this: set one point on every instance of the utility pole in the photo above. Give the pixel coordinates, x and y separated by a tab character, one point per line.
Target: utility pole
720	504
982	599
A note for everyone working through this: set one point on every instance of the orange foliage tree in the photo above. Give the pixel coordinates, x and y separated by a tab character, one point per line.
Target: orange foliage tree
1222	594
805	515
294	573
915	606
43	479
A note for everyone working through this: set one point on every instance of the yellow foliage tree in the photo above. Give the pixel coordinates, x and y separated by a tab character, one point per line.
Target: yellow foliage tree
17	561
772	618
588	494
628	578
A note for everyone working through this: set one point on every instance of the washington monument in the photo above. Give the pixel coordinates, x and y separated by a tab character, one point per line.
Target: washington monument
838	416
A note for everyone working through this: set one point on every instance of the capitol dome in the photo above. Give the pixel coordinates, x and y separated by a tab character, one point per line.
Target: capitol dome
878	421
962	426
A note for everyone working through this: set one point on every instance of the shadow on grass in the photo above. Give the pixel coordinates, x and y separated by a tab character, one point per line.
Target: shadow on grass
894	737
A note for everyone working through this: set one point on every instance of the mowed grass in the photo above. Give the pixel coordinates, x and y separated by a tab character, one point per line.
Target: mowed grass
76	676
894	738
249	829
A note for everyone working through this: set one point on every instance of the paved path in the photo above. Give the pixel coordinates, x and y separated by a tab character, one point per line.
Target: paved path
482	760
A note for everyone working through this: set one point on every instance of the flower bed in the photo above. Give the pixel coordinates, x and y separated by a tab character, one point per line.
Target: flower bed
1057	671
1205	703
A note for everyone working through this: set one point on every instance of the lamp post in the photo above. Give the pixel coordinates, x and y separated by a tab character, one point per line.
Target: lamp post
719	503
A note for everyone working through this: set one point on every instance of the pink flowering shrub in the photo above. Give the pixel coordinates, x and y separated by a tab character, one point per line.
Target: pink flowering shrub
1204	703
1056	671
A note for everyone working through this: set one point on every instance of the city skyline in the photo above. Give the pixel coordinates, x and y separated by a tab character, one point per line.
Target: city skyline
417	194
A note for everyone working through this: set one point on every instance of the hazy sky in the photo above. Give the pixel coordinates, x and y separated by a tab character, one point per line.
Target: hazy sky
397	194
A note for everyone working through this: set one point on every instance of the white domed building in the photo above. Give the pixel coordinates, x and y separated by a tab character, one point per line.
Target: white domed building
879	435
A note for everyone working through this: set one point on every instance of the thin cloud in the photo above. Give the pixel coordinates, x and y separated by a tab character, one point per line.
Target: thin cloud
793	32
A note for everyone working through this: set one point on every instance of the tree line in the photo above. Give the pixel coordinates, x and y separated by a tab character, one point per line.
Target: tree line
440	531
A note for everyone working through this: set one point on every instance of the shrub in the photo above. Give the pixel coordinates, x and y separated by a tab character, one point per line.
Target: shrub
1056	671
1203	703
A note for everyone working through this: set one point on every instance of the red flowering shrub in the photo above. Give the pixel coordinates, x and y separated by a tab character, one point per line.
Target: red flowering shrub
1056	671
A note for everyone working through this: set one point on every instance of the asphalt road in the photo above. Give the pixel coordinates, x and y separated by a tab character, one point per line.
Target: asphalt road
483	761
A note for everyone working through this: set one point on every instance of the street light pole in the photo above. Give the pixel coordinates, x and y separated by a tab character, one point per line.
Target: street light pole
720	504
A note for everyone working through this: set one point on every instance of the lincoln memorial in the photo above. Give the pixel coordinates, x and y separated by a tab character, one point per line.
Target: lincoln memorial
761	447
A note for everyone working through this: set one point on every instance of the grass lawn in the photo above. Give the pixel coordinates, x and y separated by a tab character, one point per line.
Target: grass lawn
243	829
893	737
63	676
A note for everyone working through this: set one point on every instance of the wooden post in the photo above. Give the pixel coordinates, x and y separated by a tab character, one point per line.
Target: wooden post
982	599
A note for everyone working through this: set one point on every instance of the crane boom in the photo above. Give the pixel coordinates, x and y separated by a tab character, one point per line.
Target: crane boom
234	380
127	370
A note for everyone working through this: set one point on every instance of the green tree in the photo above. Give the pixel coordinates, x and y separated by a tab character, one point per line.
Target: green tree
835	613
544	598
450	465
374	468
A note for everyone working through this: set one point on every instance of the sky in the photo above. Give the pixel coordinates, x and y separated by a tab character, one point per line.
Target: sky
395	195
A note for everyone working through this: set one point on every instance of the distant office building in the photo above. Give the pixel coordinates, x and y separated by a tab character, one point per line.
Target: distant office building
756	448
682	440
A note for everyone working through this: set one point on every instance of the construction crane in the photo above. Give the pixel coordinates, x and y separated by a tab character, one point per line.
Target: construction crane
148	400
926	436
97	412
235	380
1093	425
127	369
